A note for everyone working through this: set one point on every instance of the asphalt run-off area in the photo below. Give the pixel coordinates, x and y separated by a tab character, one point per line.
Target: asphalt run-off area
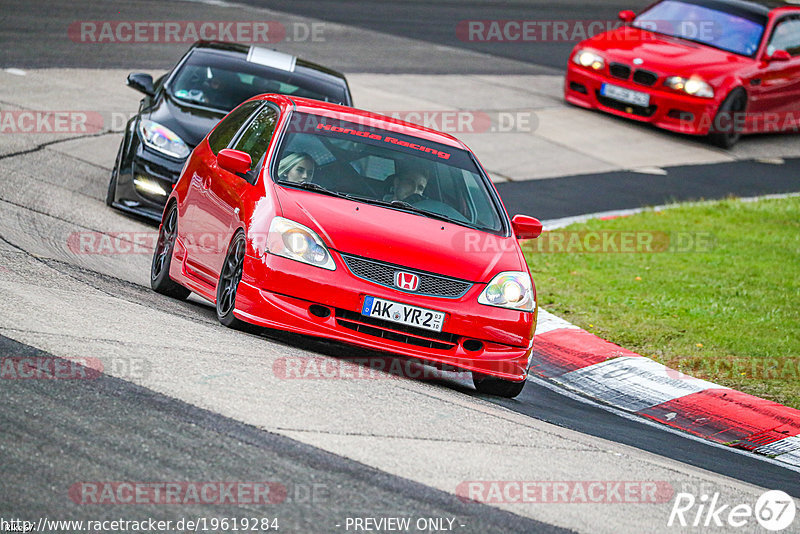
164	420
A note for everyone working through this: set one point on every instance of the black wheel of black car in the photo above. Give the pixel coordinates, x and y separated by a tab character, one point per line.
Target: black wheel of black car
112	184
491	385
726	131
228	284
162	258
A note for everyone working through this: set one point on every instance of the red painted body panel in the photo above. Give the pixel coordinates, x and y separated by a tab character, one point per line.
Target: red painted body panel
773	88
277	292
400	238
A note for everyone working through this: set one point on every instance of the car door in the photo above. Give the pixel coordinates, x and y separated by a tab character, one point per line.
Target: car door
778	94
197	229
226	191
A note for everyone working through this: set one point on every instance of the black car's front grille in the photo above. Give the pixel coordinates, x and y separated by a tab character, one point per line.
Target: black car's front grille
395	332
383	274
627	108
619	70
645	77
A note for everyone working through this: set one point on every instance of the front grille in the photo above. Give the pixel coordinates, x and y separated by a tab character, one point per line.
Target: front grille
645	77
395	332
619	70
627	108
383	274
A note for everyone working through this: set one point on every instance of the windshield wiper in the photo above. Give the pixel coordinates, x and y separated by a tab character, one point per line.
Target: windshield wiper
311	186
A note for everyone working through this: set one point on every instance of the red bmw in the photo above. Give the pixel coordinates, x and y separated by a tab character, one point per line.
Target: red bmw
720	68
324	220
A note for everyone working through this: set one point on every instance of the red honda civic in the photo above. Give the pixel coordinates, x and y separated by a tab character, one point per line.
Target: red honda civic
720	68
325	220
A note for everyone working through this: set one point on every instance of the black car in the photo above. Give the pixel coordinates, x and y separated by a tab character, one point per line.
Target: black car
182	106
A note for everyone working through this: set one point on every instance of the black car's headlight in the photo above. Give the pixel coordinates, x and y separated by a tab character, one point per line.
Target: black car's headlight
692	86
510	289
297	242
589	59
162	139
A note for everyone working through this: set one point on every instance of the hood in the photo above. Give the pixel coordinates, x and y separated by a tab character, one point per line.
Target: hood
191	123
402	238
665	55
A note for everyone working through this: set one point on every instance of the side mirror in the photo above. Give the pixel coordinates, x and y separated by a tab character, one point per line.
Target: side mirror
526	227
627	15
779	55
234	161
141	82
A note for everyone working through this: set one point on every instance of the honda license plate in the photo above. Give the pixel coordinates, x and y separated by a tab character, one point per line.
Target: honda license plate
402	313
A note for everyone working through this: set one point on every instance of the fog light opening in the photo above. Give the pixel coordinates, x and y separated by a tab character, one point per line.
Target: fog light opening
681	115
472	345
319	311
578	87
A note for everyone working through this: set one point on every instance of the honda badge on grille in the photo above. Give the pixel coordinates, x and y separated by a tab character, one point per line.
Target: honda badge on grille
406	281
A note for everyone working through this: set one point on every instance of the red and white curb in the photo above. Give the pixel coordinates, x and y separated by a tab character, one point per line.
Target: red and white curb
580	361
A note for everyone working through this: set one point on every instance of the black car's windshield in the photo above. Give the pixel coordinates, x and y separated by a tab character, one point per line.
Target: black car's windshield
377	166
716	24
223	83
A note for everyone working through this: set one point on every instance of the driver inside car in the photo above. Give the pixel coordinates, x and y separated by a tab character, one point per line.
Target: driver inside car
408	187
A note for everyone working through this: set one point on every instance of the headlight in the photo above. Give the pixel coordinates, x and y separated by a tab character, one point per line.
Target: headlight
692	86
588	59
510	289
162	139
297	242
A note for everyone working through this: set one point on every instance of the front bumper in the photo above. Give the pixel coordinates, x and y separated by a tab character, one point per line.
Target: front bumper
143	164
276	292
668	110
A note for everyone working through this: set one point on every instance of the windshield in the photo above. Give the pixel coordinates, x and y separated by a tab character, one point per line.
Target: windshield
224	83
382	167
736	31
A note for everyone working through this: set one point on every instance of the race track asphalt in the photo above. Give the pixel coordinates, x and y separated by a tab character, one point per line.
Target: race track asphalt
55	433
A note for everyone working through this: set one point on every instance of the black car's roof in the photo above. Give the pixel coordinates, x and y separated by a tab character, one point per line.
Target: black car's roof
241	51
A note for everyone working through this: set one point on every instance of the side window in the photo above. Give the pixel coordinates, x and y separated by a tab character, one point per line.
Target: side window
255	139
227	127
786	36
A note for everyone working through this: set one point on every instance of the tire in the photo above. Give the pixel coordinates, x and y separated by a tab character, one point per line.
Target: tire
726	137
112	184
491	385
229	278
162	258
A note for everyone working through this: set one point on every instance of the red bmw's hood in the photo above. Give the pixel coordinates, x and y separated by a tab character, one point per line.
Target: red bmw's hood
401	238
663	54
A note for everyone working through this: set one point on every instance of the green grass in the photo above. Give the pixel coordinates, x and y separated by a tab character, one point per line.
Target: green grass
728	310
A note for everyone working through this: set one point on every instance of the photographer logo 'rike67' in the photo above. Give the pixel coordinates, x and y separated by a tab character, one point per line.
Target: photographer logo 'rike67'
774	510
